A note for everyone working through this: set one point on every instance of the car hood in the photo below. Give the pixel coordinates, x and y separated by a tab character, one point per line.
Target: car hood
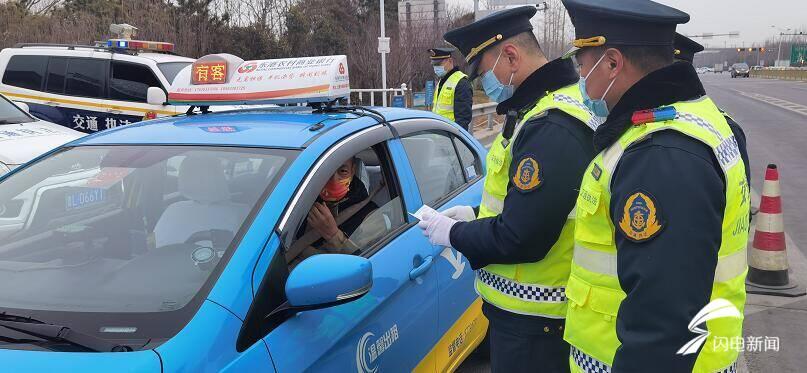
19	143
50	361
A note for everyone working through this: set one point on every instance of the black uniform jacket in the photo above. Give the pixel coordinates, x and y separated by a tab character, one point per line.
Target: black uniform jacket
667	277
463	99
551	152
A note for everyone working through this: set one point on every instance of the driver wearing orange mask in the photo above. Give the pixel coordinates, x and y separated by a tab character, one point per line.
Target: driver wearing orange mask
343	189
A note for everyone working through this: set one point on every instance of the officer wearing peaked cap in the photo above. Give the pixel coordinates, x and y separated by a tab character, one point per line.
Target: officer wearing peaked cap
453	96
686	48
662	213
685	51
520	242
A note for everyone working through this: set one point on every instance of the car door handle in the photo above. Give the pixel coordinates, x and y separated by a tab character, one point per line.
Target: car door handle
114	111
422	268
52	103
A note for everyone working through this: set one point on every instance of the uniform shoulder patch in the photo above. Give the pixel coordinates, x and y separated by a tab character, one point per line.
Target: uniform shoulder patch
529	174
641	217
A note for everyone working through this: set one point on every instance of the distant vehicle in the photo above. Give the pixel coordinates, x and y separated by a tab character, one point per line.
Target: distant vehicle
702	70
757	67
740	69
24	137
91	88
718	68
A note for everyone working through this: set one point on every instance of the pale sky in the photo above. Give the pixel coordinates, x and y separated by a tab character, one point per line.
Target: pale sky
753	19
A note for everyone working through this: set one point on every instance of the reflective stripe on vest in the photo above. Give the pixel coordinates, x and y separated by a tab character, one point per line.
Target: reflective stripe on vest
594	291
537	288
588	364
443	100
600	262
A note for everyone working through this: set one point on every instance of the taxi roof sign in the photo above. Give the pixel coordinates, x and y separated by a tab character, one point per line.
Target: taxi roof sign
224	79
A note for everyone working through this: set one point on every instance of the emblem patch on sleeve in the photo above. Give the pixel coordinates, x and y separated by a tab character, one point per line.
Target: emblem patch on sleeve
641	219
529	175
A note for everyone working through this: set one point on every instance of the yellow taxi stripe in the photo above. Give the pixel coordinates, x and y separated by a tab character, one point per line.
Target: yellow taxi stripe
458	342
85	103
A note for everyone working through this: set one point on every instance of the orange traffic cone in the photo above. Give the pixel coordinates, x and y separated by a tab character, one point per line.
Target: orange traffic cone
767	260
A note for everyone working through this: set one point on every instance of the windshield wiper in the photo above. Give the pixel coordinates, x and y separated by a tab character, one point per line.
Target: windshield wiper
58	333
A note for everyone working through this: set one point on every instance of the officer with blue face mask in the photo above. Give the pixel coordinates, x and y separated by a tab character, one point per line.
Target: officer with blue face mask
453	96
662	213
520	239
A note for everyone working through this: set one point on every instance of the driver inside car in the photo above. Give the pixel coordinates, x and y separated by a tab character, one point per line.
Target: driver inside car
342	205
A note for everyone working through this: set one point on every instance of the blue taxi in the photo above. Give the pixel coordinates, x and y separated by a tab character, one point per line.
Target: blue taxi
178	244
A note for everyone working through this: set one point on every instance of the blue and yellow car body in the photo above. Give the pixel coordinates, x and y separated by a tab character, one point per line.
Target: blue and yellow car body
428	323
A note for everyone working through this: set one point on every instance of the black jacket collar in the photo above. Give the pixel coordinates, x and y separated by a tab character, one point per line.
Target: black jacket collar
445	77
665	86
554	75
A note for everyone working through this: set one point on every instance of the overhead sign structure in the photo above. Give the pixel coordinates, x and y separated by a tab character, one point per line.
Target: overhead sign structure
798	55
224	79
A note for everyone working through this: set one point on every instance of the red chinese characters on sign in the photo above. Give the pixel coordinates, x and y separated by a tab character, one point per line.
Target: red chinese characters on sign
209	73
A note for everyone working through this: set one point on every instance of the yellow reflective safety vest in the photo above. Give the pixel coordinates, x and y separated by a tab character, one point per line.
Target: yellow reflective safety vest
530	288
443	101
593	289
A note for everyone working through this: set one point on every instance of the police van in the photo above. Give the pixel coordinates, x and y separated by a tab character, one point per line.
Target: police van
91	88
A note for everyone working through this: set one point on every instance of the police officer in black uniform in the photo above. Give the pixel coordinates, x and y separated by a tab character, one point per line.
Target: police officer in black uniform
666	270
549	151
685	51
453	82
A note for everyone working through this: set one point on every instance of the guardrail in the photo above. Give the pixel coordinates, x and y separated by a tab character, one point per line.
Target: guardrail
363	94
487	109
780	74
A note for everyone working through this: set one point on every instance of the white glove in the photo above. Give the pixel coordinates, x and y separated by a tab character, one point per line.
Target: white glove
437	227
461	213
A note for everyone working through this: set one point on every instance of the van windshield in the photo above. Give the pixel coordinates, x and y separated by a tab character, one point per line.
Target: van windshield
171	69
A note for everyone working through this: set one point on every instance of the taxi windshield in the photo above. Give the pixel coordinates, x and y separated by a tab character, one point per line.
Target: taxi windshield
126	229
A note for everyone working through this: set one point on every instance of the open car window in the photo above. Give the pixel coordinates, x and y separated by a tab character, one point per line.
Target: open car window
378	219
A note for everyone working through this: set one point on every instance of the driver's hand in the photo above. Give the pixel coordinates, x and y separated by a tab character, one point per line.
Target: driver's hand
321	220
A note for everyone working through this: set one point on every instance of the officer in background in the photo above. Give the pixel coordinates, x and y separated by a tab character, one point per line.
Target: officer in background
521	243
662	215
453	96
685	50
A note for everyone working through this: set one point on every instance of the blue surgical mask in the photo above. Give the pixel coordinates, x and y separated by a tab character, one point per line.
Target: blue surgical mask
439	70
598	107
494	89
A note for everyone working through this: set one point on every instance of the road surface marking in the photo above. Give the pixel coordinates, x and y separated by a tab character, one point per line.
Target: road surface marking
784	104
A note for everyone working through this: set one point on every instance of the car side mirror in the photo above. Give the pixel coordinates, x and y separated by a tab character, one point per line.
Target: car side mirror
324	281
23	106
155	96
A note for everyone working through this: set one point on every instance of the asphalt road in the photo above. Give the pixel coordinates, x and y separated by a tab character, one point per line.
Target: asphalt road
773	114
